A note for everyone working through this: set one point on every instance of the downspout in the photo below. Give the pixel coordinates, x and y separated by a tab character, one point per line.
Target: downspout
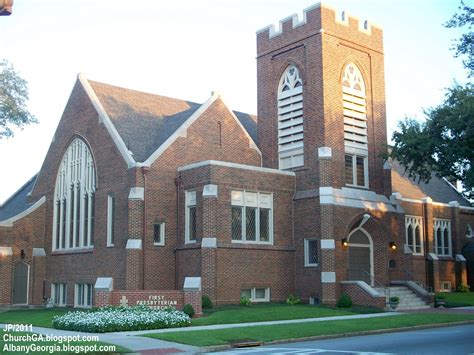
144	172
177	182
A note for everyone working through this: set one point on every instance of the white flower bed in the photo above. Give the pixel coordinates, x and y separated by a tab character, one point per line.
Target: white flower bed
116	319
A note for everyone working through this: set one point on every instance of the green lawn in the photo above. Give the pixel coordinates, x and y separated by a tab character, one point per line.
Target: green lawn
302	330
458	299
218	315
37	317
51	346
272	311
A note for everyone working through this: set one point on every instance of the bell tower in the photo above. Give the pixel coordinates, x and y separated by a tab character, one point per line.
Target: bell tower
321	85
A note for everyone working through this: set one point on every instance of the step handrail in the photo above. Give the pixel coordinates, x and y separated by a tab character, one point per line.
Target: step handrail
380	284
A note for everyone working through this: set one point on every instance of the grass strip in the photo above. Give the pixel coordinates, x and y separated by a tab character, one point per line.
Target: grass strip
458	299
36	317
302	330
273	312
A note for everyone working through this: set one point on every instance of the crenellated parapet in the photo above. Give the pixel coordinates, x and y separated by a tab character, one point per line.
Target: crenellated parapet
316	19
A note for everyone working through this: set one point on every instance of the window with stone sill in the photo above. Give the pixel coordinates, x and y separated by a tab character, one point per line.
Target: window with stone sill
83	295
442	237
59	294
414	234
469	232
190	217
159	233
256	294
310	252
252	217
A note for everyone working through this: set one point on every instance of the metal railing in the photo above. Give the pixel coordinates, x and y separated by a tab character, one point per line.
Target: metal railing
374	281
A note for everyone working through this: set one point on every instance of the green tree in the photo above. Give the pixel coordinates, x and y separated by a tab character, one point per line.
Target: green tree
464	46
13	98
444	143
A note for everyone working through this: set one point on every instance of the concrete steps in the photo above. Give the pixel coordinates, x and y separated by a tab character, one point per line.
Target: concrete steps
408	299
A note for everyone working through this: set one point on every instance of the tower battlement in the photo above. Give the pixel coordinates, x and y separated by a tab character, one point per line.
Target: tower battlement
319	18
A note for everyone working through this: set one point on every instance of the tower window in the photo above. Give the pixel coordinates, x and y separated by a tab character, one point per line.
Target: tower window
355	127
290	119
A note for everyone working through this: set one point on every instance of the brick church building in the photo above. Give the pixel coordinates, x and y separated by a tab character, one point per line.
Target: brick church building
145	190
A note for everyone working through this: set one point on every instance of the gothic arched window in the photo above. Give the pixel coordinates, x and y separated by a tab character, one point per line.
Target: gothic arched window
74	199
290	119
355	127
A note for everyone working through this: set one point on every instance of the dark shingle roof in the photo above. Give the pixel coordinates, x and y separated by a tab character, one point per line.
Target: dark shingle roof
145	121
438	189
18	202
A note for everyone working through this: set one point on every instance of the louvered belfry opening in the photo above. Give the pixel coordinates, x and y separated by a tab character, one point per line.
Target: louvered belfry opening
355	127
290	119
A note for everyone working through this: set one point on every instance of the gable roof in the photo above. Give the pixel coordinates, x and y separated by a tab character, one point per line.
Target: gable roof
145	122
438	189
18	202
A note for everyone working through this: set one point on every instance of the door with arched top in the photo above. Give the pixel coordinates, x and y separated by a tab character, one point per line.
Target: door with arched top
360	257
20	283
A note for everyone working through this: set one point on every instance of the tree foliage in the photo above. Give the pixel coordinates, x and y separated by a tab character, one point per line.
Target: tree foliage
444	143
464	46
13	98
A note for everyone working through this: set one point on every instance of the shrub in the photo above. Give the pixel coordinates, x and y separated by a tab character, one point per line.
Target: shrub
463	288
206	302
189	310
117	319
344	301
245	301
292	299
395	299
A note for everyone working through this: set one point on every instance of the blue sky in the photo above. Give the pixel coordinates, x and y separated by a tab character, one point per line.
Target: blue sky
186	49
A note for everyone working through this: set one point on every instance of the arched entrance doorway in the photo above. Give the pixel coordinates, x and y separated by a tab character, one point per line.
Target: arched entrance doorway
361	256
20	283
468	253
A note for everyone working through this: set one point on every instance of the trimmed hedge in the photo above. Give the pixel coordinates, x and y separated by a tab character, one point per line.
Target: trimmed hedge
118	319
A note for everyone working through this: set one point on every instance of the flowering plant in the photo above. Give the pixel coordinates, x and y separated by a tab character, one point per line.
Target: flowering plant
117	319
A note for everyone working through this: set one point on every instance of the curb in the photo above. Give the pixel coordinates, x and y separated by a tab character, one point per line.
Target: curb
345	335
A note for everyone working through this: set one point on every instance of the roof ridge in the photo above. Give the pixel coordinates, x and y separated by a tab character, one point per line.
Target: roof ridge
143	92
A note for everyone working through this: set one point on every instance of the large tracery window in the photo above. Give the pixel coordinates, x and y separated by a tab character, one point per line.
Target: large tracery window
355	127
290	119
74	199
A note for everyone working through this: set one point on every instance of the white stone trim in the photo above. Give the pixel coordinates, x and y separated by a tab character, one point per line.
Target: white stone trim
134	244
412	200
454	204
104	284
39	252
192	284
209	190
460	258
328	244
328	277
209	243
432	256
427	200
137	193
9	222
6	251
105	119
362	284
349	197
324	152
467	208
235	166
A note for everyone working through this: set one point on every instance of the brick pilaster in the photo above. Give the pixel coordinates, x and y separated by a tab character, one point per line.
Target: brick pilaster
6	270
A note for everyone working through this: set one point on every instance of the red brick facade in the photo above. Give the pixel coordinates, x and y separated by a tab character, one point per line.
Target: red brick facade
212	150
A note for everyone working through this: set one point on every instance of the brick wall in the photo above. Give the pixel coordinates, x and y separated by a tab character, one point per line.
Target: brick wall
362	297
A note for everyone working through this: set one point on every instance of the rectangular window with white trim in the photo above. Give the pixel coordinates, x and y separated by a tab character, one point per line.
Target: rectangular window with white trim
256	294
159	233
356	171
310	252
442	237
83	295
190	217
252	217
414	234
110	220
59	294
